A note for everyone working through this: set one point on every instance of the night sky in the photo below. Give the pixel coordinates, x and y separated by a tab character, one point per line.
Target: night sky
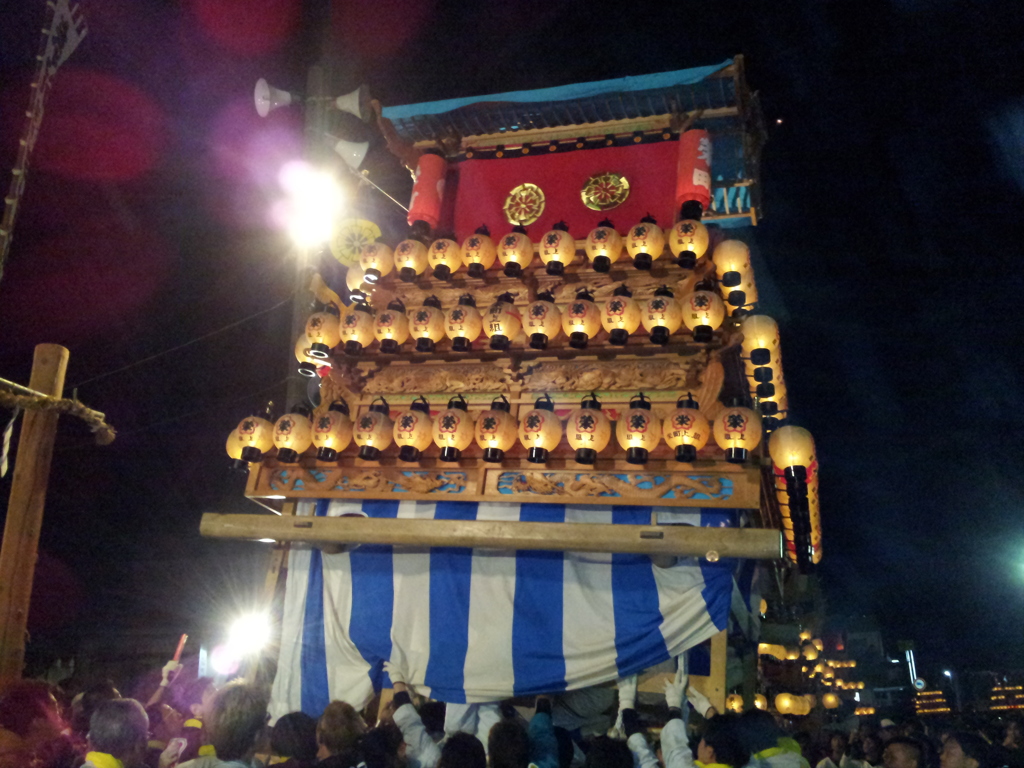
892	183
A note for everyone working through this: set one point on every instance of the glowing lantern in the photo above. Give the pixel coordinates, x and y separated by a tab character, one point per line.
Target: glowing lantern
354	283
234	450
502	322
732	264
323	329
332	431
703	312
426	324
734	703
463	323
253	437
805	635
760	701
293	434
479	252
785	703
809	652
411	260
445	257
792	654
515	251
645	243
392	327
496	430
581	320
638	430
357	328
760	339
542	320
688	241
821	647
453	429
603	246
686	429
662	316
737	431
377	260
413	430
373	430
792	451
620	316
830	701
307	363
588	430
557	249
540	431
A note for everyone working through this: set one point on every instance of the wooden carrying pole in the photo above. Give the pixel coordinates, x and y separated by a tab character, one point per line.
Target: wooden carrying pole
682	540
25	510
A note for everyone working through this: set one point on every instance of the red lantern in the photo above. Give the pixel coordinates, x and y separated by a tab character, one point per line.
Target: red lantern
428	190
693	178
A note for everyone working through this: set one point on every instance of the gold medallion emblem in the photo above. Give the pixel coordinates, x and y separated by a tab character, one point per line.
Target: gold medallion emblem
350	237
605	191
524	204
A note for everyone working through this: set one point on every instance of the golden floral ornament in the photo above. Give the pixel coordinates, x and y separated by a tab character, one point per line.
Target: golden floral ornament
350	237
524	204
605	191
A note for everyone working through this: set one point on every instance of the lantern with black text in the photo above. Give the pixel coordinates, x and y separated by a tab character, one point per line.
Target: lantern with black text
377	260
686	429
411	260
703	313
557	249
357	328
645	242
373	430
413	430
252	438
603	246
793	453
426	324
479	252
662	316
542	320
323	330
760	339
502	322
332	431
496	430
453	429
736	274
688	240
462	323
540	431
445	257
620	316
392	327
515	251
293	434
581	320
737	431
354	282
307	363
588	430
638	430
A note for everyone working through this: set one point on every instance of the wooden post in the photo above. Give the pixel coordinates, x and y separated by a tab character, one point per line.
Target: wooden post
715	690
25	510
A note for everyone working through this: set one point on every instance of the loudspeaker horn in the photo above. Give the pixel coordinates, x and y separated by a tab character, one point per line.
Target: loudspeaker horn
268	98
356	103
352	152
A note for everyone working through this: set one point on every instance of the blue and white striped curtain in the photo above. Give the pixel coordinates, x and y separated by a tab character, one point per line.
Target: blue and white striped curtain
477	625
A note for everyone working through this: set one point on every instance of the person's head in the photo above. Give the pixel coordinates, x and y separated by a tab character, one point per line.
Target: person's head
382	747
872	747
757	731
721	742
508	745
1014	733
339	727
119	727
462	750
27	706
234	720
608	753
886	730
294	735
164	722
432	715
965	750
838	743
901	752
196	697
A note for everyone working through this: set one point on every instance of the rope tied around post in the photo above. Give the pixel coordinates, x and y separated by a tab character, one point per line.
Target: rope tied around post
16	396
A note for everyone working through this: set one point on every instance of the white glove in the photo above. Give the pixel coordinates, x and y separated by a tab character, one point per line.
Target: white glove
674	692
627	692
617	731
700	702
169	668
395	672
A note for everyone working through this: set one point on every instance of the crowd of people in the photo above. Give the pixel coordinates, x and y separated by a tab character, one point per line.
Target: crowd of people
197	725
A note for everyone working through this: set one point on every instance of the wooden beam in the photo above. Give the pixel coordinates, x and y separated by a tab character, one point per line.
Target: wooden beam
680	540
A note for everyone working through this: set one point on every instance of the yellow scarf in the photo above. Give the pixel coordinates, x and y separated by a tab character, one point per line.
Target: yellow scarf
764	754
207	749
103	760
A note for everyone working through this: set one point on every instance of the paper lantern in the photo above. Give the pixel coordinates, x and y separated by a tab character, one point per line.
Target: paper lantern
357	328
307	363
462	323
354	282
392	327
252	438
293	434
496	430
645	242
479	252
772	649
830	701
502	322
792	448
620	316
760	701
413	430
411	260
515	251
809	652
785	702
588	430
323	329
428	189
662	316
377	260
445	257
737	431
686	429
581	320
703	313
792	653
638	430
373	430
453	429
735	273
760	339
540	431
805	635
332	431
426	324
734	703
603	246
557	249
688	241
542	321
234	451
693	172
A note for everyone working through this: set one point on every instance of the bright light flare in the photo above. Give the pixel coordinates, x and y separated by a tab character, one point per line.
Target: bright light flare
249	634
313	203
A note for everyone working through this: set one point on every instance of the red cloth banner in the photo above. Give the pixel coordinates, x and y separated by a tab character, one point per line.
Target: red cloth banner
694	169
428	190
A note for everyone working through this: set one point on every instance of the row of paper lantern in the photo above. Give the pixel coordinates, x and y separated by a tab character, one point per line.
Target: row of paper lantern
795	470
588	430
808	650
785	703
762	357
